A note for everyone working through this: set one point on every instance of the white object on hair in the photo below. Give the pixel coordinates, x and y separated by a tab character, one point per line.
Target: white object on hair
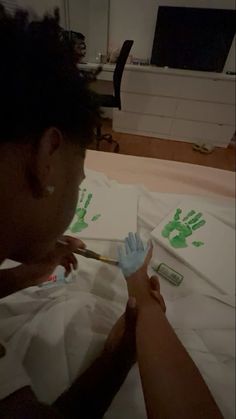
50	189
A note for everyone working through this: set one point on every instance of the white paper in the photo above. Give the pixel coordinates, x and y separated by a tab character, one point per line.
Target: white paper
214	260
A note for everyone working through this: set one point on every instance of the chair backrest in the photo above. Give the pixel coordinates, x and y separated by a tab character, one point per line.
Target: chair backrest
117	76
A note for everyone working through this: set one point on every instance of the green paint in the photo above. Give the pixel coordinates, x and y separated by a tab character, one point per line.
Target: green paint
195	218
184	228
81	212
177	214
190	214
82	195
87	202
197	244
96	217
198	225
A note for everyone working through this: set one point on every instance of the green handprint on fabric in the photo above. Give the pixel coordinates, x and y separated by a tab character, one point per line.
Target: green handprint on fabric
185	228
81	212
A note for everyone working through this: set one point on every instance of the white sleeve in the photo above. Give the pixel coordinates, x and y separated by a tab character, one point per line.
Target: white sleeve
12	374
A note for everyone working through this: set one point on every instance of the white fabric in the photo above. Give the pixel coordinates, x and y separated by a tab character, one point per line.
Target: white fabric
57	332
12	374
163	175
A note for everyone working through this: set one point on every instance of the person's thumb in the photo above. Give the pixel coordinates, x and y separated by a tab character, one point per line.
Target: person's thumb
131	314
67	245
149	251
73	243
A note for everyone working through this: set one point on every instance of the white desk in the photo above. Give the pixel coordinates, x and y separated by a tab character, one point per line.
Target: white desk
106	73
174	104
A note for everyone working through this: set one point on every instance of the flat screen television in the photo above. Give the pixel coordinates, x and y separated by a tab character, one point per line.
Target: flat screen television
193	38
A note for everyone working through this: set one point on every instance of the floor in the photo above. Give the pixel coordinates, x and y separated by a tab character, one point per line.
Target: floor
168	150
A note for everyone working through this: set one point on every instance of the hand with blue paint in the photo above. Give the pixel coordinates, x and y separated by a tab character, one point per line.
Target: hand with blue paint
135	256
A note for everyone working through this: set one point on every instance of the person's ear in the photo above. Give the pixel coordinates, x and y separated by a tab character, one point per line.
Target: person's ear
44	161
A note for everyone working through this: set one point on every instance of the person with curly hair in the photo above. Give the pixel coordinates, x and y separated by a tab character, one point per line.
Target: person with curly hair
47	118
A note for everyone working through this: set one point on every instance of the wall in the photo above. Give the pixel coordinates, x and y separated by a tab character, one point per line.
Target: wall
136	19
98	28
79	16
39	8
91	18
133	19
129	19
87	16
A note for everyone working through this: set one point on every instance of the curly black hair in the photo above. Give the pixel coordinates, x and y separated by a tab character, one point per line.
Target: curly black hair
40	85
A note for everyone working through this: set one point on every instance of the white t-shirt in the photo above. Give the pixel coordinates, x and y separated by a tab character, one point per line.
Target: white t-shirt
12	374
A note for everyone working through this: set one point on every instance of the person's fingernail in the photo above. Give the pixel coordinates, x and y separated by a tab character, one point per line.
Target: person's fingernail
132	302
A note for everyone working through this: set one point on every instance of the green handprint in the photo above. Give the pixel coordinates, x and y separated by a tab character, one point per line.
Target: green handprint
184	227
81	212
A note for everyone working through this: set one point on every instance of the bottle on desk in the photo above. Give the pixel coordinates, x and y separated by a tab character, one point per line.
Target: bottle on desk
98	58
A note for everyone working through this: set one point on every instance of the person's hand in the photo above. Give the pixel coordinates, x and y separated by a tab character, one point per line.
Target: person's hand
134	262
135	256
28	275
62	255
122	337
36	273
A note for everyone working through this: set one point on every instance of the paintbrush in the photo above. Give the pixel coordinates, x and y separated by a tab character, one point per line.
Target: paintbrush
92	255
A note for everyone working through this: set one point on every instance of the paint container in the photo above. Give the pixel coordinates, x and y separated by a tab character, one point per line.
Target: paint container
168	273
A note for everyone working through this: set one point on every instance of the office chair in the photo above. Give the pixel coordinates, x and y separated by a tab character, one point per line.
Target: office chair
114	101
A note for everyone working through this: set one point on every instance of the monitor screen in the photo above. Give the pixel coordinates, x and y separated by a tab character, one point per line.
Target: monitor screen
193	38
